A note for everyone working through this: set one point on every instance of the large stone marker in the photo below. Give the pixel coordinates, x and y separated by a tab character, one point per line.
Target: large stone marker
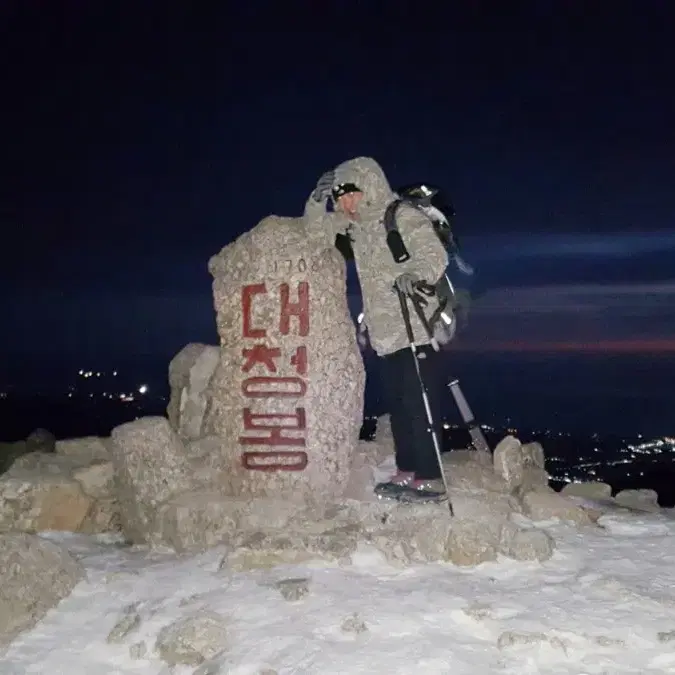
288	391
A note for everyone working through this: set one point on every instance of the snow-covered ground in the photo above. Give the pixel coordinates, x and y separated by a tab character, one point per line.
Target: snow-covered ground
604	604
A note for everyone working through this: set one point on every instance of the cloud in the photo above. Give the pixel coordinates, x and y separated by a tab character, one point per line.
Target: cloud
580	298
608	246
575	317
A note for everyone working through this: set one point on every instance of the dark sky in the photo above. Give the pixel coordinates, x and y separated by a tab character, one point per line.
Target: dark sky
139	138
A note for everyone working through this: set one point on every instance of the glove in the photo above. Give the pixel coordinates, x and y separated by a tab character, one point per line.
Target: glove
406	283
324	187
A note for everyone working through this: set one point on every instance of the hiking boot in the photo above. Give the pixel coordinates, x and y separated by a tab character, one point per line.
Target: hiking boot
424	491
397	484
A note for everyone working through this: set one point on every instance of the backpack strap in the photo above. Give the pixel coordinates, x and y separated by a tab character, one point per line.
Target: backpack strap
394	239
390	215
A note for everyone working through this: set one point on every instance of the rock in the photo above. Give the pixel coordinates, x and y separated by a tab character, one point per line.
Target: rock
138	650
545	505
288	351
195	521
103	516
192	640
529	545
469	546
404	533
511	638
666	636
364	469
409	533
89	449
509	461
293	589
36	575
534	479
353	624
266	549
71	492
639	500
533	455
209	469
469	470
128	622
482	526
96	479
41	440
150	467
592	490
34	502
190	373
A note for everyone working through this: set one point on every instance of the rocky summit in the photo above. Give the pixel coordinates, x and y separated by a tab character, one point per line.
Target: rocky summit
259	454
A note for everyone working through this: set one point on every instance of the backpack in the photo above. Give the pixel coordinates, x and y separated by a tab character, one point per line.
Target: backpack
453	302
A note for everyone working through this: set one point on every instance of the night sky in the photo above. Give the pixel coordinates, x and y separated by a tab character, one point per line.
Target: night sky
139	138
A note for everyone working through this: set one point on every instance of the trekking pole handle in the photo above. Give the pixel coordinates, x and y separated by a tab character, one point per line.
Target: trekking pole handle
405	311
417	304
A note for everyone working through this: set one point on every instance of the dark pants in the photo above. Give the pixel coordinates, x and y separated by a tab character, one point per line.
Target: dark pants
412	438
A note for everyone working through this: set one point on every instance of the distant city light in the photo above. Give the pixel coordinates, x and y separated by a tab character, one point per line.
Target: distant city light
143	389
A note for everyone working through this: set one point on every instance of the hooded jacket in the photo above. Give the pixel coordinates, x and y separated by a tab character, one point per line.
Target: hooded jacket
375	265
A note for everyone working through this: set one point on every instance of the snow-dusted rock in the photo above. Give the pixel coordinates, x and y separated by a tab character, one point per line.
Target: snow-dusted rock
293	589
368	457
282	312
639	500
193	639
528	544
591	490
190	373
324	540
198	520
194	521
547	505
35	574
470	470
71	489
509	461
533	455
150	467
89	449
126	624
34	502
53	491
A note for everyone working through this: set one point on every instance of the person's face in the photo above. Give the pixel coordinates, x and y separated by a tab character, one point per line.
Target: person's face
349	203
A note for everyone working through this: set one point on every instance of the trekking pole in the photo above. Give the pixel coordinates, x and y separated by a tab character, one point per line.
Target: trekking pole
425	398
475	432
419	310
477	436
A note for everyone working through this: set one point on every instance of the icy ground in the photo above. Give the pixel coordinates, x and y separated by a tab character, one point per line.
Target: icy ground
604	604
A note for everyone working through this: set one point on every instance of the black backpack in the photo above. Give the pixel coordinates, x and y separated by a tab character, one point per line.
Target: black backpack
425	198
429	200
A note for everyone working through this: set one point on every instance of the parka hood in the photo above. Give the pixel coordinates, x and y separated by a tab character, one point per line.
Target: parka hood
368	176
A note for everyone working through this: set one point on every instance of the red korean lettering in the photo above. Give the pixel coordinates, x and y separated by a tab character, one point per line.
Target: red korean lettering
299	309
273	425
299	360
261	354
247	294
277	460
274	387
